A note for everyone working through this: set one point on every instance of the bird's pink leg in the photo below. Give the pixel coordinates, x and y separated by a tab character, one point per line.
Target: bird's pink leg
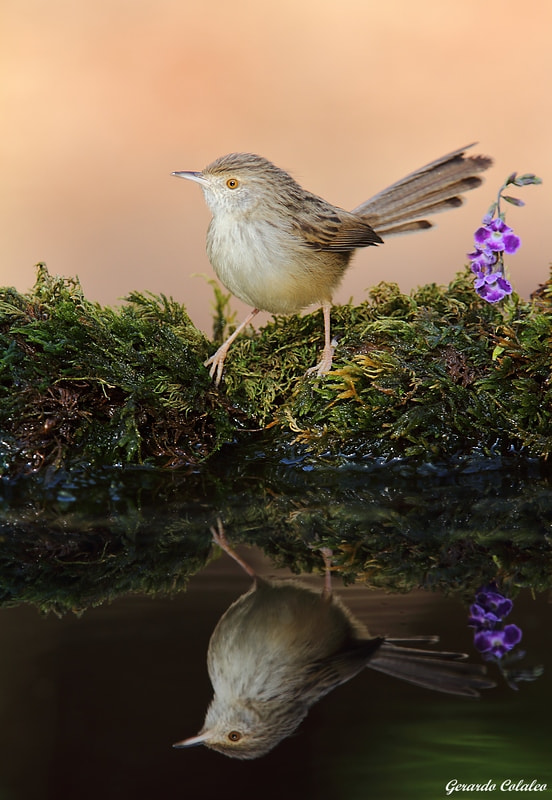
327	555
216	361
219	537
325	363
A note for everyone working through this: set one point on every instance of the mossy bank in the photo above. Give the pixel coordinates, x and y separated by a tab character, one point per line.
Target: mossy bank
431	375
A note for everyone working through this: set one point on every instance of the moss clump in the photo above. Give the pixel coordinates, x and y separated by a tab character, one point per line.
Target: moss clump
87	384
432	375
429	375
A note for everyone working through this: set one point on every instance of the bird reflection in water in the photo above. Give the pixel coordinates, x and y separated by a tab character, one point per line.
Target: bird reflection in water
282	646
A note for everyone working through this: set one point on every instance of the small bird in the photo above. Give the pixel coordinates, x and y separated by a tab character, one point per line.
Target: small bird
282	646
280	248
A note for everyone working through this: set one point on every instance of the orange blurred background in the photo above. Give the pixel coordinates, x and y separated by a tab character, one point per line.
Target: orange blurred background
102	101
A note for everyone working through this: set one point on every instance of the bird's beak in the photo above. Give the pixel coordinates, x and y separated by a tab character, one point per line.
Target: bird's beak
201	738
191	176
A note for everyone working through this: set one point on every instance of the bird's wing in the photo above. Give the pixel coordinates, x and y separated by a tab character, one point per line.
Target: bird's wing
324	227
327	674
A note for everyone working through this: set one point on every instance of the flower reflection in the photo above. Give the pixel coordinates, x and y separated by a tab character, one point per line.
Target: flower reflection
497	643
494	640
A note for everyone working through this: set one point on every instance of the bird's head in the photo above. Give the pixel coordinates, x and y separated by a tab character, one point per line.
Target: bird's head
240	182
244	730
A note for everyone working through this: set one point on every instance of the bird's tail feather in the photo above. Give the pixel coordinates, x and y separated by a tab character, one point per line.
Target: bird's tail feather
440	671
433	188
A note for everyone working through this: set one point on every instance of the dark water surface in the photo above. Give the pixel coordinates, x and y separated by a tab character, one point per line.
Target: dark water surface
90	703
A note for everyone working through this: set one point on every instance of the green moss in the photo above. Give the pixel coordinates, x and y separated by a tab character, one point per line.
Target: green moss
96	385
428	376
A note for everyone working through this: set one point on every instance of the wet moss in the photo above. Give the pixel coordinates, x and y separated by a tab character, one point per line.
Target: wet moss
429	375
85	384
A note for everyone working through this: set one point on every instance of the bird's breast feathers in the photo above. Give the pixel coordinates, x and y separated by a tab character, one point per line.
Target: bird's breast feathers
262	266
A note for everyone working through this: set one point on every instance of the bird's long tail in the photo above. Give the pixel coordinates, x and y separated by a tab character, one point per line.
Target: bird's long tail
447	672
430	189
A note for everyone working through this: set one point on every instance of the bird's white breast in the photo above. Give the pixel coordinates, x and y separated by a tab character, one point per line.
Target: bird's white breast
257	262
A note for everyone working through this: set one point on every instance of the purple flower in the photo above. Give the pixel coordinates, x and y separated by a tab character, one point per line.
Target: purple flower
493	287
481	259
486	260
496	236
492	601
480	618
496	643
512	243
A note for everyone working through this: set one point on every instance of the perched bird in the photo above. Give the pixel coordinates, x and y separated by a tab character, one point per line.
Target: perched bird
280	248
281	646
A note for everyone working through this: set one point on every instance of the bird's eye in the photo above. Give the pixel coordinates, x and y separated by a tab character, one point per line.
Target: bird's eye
232	183
234	736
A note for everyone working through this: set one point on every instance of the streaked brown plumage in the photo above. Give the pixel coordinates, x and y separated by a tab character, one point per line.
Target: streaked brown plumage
280	248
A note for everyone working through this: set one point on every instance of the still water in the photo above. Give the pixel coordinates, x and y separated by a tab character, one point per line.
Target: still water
92	699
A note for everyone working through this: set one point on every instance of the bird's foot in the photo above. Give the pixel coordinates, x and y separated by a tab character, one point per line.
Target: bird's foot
216	363
325	363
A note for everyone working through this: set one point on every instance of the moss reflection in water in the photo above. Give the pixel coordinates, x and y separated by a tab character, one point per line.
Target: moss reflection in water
146	531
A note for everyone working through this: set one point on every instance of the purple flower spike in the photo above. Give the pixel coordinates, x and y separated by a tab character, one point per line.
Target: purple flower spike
486	616
492	239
